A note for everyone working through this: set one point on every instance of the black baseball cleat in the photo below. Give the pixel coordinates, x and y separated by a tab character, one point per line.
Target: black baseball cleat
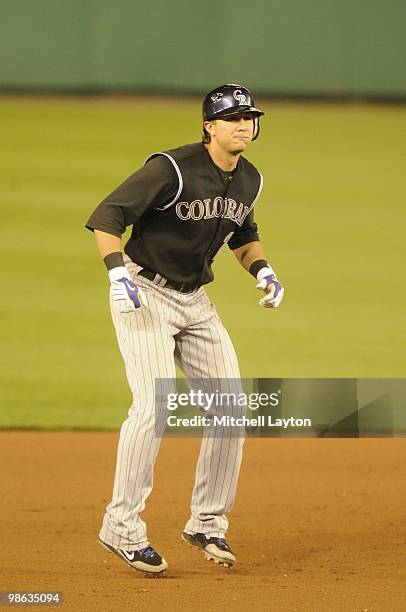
145	560
214	549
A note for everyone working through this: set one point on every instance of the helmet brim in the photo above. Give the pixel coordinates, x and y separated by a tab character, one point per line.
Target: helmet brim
227	112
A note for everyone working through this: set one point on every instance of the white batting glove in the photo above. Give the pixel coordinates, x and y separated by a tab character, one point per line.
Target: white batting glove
125	294
272	287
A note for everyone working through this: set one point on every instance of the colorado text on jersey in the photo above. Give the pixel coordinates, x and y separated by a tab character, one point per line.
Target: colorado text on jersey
207	209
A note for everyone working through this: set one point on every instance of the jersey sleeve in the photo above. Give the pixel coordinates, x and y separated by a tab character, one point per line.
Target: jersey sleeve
248	232
152	185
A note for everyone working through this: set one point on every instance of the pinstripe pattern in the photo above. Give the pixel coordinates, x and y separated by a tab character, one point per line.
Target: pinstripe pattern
175	326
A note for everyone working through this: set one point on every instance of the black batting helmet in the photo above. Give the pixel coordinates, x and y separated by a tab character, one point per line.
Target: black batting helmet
229	100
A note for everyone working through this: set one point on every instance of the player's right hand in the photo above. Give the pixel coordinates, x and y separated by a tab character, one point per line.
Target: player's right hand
126	296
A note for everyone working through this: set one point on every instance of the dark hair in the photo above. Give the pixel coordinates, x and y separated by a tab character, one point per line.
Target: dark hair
206	138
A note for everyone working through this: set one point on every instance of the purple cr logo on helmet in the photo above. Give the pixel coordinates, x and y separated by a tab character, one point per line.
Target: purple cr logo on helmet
228	100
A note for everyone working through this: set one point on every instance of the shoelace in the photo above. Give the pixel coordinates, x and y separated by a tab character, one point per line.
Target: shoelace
221	541
147	552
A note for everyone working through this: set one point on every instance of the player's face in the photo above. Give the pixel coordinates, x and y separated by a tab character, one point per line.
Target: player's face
233	133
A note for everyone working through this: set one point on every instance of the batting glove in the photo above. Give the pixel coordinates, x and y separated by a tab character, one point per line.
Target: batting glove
272	287
125	294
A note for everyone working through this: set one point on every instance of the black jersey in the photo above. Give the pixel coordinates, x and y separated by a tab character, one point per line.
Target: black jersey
183	208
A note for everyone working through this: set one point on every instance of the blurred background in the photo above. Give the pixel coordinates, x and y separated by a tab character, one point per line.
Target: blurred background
296	47
89	88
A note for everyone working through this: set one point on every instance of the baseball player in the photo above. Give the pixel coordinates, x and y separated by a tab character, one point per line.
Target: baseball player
184	205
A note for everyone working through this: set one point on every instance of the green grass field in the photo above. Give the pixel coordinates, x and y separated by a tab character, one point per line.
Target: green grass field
332	217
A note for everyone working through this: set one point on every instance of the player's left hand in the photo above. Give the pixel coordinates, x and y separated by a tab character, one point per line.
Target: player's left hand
272	287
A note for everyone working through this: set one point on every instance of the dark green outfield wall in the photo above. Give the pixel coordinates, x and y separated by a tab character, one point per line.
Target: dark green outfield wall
304	47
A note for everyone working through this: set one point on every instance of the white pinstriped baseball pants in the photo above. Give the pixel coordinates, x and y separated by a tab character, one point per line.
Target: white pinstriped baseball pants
175	326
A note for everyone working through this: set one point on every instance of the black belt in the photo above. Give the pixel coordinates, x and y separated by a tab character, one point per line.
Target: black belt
157	279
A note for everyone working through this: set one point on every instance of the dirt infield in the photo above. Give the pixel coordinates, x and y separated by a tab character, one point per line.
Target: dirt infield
319	525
